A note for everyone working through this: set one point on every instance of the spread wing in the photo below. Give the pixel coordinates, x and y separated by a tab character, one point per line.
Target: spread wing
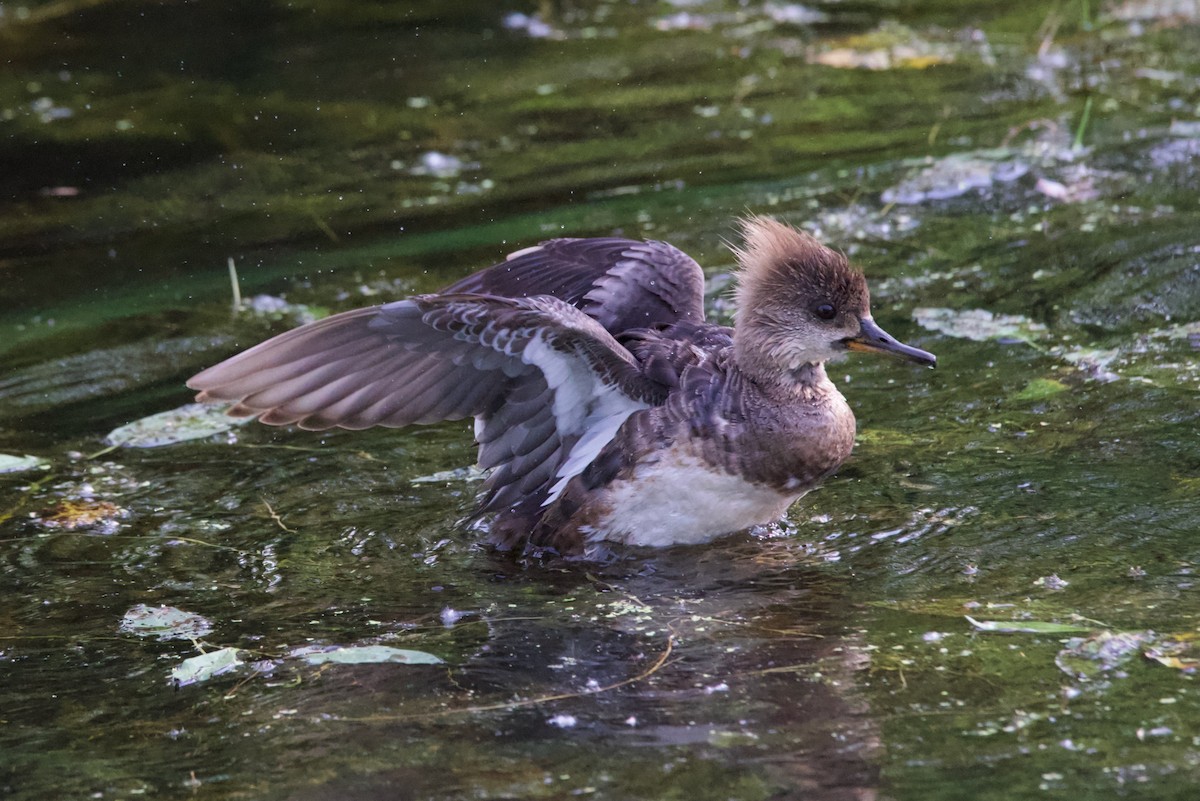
621	283
538	375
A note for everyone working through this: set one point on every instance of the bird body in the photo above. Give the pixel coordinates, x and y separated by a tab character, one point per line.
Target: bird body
605	406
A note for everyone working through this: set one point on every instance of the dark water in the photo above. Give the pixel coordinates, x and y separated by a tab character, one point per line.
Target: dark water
1034	161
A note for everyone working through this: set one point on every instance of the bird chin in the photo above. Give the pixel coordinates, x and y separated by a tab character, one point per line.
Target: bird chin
802	362
836	356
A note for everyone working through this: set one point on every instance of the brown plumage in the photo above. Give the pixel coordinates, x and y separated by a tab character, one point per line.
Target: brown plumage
605	406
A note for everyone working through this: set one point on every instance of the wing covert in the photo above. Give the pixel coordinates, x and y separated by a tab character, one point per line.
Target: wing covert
621	283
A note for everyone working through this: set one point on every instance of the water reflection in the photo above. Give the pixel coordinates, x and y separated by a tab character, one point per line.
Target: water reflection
731	670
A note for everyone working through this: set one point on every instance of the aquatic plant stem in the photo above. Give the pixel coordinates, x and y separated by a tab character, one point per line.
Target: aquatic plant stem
233	282
1083	123
275	516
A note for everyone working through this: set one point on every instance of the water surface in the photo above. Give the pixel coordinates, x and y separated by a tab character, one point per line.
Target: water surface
1019	182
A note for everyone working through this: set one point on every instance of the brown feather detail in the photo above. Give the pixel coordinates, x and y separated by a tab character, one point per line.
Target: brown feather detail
332	382
283	356
621	283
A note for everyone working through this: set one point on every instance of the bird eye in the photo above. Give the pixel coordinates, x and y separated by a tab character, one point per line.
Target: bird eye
825	311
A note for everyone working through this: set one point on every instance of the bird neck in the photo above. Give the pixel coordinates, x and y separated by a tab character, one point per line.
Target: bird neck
777	376
809	374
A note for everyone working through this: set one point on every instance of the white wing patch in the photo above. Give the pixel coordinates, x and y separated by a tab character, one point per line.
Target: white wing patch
583	405
599	434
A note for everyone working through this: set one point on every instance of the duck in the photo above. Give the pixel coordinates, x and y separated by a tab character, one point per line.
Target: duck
607	409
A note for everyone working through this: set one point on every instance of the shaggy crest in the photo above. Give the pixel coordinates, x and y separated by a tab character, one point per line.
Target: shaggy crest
778	261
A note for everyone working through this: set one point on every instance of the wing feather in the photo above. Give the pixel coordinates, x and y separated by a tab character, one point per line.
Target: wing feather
526	347
621	283
537	372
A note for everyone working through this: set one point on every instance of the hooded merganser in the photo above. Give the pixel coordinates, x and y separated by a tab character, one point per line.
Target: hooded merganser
605	406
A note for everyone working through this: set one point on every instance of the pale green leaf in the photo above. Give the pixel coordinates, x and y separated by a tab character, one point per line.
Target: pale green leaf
979	325
165	623
205	666
19	464
366	654
193	421
1027	626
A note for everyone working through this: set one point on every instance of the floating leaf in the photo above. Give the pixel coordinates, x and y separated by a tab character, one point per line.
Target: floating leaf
72	515
1164	356
1185	331
1178	651
1088	657
205	666
1052	582
165	623
890	46
365	654
1027	626
957	175
193	421
19	464
979	325
1167	660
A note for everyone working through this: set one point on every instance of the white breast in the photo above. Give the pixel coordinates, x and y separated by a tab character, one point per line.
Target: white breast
680	500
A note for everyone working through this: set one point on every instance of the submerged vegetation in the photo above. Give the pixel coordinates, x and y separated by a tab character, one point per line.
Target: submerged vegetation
994	599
